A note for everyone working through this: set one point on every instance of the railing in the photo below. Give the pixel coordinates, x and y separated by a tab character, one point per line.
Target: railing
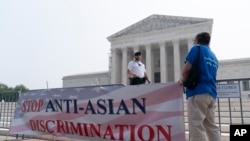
228	111
7	108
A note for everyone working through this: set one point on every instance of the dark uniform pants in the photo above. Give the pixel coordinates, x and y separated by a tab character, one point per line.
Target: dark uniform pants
137	81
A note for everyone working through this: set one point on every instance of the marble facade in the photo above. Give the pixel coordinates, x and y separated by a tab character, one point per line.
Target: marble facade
164	42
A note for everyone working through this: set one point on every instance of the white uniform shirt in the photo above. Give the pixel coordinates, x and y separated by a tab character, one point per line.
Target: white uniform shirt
137	68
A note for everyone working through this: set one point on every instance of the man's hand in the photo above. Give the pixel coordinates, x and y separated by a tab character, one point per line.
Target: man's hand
180	81
134	75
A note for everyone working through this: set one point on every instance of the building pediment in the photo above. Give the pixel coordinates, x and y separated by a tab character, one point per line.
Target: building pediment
157	22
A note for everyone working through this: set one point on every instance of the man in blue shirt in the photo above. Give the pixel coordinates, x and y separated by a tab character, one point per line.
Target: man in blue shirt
202	99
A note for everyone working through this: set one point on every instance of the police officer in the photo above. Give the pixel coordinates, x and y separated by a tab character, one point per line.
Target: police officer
137	71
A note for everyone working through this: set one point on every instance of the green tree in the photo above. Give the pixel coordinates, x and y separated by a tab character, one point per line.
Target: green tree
6	88
21	88
3	87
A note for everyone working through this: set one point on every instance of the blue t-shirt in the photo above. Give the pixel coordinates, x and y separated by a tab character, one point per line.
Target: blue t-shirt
208	70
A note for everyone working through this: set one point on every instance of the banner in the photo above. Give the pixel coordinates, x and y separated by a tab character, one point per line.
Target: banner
152	112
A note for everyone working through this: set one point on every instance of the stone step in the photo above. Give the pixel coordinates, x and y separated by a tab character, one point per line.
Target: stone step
6	118
226	120
9	114
226	104
224	128
233	120
233	114
5	124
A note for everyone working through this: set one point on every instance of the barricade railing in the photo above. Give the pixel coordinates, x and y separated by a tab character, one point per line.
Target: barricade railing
7	107
233	108
8	102
228	111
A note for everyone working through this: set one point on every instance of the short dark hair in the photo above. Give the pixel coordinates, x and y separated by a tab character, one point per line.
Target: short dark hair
203	38
137	53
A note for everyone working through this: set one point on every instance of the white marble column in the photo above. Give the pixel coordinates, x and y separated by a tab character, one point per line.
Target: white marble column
124	66
190	43
149	62
114	66
177	67
163	62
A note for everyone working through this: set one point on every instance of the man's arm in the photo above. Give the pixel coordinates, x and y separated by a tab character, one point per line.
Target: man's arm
131	74
186	69
146	76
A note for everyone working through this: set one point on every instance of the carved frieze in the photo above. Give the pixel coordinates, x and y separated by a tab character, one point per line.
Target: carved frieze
157	23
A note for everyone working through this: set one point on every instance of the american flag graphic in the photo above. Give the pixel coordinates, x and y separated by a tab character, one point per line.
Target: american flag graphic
131	113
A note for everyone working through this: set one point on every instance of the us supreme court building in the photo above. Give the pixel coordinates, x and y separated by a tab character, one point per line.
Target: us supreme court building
164	42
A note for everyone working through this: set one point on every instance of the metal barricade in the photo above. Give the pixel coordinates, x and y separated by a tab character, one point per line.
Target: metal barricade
233	109
7	108
228	111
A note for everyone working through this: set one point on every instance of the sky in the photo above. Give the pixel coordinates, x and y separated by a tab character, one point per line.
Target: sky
41	41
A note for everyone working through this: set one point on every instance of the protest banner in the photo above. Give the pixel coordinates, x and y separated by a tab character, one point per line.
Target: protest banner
152	112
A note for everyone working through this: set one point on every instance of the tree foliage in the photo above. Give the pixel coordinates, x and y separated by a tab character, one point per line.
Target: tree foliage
6	88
